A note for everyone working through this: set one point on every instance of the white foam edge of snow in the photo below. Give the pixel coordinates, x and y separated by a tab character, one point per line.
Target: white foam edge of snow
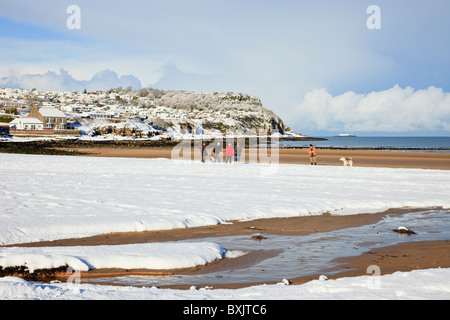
156	255
414	285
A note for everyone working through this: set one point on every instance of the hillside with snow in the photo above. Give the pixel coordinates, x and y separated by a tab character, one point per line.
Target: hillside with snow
152	113
176	114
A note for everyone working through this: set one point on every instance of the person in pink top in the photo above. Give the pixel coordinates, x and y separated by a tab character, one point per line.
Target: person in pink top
229	152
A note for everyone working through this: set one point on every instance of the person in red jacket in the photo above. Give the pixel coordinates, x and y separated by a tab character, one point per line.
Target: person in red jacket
229	152
312	154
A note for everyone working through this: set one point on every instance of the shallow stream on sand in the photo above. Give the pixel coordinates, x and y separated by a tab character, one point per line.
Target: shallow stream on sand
305	255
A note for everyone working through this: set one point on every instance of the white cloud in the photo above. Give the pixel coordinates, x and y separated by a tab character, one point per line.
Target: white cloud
393	110
63	81
24	56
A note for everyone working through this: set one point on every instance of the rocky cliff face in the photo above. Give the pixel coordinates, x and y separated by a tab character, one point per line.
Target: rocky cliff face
235	112
123	131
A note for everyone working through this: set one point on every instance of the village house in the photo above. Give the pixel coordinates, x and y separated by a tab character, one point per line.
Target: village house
27	124
99	115
52	118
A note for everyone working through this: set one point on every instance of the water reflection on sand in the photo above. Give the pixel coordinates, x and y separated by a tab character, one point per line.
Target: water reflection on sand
296	256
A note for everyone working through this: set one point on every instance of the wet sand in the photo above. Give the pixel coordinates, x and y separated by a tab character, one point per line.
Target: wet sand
302	225
402	257
329	157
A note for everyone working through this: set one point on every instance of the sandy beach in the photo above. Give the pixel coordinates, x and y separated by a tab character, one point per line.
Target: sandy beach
329	157
403	257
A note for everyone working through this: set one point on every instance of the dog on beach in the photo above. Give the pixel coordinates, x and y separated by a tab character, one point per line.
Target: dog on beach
347	161
212	158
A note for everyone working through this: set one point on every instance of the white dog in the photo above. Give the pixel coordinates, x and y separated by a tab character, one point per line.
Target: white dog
347	161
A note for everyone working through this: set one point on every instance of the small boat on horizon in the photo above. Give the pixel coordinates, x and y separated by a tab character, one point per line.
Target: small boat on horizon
345	135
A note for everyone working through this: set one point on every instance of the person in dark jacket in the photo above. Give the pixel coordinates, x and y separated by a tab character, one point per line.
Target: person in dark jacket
204	152
237	152
218	152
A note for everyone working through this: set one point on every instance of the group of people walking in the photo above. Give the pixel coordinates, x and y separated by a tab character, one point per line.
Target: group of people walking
231	153
234	153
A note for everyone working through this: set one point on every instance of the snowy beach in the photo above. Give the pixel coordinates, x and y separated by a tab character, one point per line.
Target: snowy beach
50	198
428	284
58	197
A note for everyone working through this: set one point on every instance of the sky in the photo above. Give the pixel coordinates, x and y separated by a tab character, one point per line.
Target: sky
320	65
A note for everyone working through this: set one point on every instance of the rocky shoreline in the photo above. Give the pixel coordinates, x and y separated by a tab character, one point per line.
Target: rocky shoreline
57	147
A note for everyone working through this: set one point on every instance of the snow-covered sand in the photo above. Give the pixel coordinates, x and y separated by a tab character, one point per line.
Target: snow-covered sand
150	256
52	197
419	284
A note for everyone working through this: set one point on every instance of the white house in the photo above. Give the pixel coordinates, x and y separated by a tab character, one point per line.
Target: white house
27	124
100	115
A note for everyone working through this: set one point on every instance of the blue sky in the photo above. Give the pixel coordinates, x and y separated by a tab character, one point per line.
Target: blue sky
315	63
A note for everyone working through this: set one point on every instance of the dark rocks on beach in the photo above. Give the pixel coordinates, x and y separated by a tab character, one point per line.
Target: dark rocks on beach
45	275
258	237
403	230
55	147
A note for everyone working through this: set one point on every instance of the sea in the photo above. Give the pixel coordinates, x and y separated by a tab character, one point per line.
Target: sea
416	144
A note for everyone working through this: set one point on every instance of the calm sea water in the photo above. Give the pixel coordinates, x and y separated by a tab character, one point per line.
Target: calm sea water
430	144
